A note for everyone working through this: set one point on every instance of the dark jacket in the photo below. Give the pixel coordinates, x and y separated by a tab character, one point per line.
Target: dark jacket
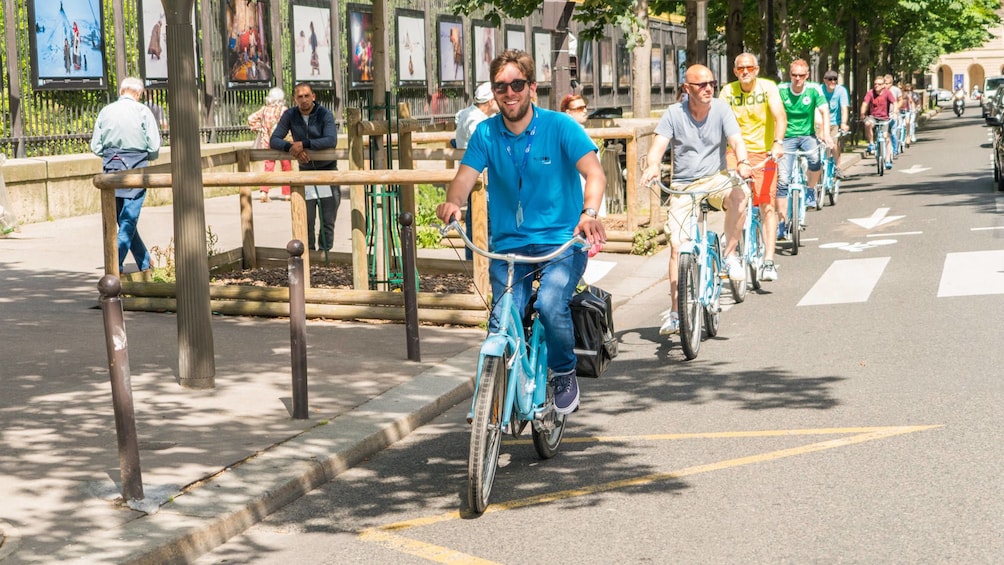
320	132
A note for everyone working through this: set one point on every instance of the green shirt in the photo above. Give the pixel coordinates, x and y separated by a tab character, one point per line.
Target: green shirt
801	108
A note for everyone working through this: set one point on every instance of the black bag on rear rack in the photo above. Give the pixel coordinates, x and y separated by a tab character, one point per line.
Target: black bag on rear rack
593	320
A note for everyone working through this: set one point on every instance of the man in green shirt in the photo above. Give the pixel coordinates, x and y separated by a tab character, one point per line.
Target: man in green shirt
802	101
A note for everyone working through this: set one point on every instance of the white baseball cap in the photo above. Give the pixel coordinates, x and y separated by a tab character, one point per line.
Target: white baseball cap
483	93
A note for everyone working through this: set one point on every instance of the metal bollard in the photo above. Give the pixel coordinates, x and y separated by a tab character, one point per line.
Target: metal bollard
410	285
118	368
298	328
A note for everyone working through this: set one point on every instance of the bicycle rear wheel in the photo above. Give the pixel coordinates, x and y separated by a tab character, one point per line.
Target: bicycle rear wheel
796	220
689	305
756	264
548	432
738	287
486	433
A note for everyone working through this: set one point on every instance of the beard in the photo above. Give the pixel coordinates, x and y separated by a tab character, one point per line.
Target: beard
517	113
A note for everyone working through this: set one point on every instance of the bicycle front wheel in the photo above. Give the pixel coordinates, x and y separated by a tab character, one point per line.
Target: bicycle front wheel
486	433
688	304
834	192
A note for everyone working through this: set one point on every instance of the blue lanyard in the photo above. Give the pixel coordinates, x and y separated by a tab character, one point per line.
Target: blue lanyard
521	168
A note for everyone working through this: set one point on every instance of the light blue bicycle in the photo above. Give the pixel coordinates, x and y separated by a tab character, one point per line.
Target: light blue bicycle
699	286
797	185
511	389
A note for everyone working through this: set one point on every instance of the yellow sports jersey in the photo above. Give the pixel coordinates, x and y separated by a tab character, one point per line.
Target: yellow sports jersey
753	112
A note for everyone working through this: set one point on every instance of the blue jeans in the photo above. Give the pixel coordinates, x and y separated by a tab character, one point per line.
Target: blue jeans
127	210
558	279
792	144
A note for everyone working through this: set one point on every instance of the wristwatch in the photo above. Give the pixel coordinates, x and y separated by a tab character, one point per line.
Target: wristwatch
591	212
745	162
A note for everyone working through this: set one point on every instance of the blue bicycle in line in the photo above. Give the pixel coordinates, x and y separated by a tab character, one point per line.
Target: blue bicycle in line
511	390
829	183
797	185
702	268
751	251
882	147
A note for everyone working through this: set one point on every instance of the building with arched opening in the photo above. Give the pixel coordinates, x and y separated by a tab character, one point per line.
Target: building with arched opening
970	68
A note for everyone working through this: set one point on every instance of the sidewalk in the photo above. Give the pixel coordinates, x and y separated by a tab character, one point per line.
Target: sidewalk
216	461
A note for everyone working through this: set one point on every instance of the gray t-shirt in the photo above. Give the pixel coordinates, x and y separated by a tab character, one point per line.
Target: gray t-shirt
698	147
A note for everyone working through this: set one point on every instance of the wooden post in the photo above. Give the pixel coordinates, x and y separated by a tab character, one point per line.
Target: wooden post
248	255
298	218
479	216
110	229
357	198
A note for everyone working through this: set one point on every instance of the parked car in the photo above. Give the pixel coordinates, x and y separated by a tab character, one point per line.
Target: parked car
990	86
992	104
945	95
994	121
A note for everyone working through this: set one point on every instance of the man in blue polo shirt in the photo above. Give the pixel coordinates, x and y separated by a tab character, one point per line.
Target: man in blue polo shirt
535	204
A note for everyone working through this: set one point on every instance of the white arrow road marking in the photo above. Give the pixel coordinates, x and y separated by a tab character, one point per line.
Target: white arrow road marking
878	218
972	273
846	281
915	169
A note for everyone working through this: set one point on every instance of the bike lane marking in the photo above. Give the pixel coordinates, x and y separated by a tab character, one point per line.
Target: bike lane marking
846	281
972	273
388	536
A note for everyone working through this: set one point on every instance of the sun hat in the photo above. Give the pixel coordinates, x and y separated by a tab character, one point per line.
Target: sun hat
483	93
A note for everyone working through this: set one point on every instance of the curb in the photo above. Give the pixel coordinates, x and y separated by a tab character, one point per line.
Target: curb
225	505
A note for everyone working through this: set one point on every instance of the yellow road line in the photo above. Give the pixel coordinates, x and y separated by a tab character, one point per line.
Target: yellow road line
387	537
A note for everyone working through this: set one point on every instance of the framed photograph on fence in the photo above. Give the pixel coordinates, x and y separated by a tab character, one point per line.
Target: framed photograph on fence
515	37
585	62
67	41
656	79
310	28
247	44
451	50
411	48
623	67
483	38
153	42
360	23
606	64
670	62
542	56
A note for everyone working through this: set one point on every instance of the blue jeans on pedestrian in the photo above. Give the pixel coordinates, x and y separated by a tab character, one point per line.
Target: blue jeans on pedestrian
127	214
558	279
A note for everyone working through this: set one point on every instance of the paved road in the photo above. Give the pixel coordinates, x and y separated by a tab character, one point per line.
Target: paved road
848	413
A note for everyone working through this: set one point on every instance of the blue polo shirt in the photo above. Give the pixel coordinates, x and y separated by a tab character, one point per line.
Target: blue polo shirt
533	171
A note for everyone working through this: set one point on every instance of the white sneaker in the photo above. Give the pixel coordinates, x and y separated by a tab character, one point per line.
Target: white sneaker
670	324
734	267
769	272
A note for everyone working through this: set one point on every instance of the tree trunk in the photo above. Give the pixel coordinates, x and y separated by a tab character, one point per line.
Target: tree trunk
641	98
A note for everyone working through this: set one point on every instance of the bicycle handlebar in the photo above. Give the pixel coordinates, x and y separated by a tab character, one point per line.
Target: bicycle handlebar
732	177
455	225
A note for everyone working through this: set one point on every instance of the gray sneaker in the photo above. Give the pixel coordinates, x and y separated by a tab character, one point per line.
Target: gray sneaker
769	272
566	392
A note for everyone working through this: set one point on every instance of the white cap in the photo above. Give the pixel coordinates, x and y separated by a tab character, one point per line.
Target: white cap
483	93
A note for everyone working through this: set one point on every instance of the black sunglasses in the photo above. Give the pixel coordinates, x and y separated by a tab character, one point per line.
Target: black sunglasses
517	86
703	85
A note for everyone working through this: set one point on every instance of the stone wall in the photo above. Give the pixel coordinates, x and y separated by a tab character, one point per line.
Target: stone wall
49	188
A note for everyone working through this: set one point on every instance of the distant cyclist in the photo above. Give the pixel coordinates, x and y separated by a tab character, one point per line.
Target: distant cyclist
838	101
894	116
878	104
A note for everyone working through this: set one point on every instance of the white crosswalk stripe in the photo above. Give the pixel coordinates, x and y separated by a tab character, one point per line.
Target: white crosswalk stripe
846	281
972	273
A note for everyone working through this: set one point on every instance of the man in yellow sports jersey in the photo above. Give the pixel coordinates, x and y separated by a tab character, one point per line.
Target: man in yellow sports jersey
762	120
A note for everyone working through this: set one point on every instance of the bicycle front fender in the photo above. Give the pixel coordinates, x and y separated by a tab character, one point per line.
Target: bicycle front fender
688	247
